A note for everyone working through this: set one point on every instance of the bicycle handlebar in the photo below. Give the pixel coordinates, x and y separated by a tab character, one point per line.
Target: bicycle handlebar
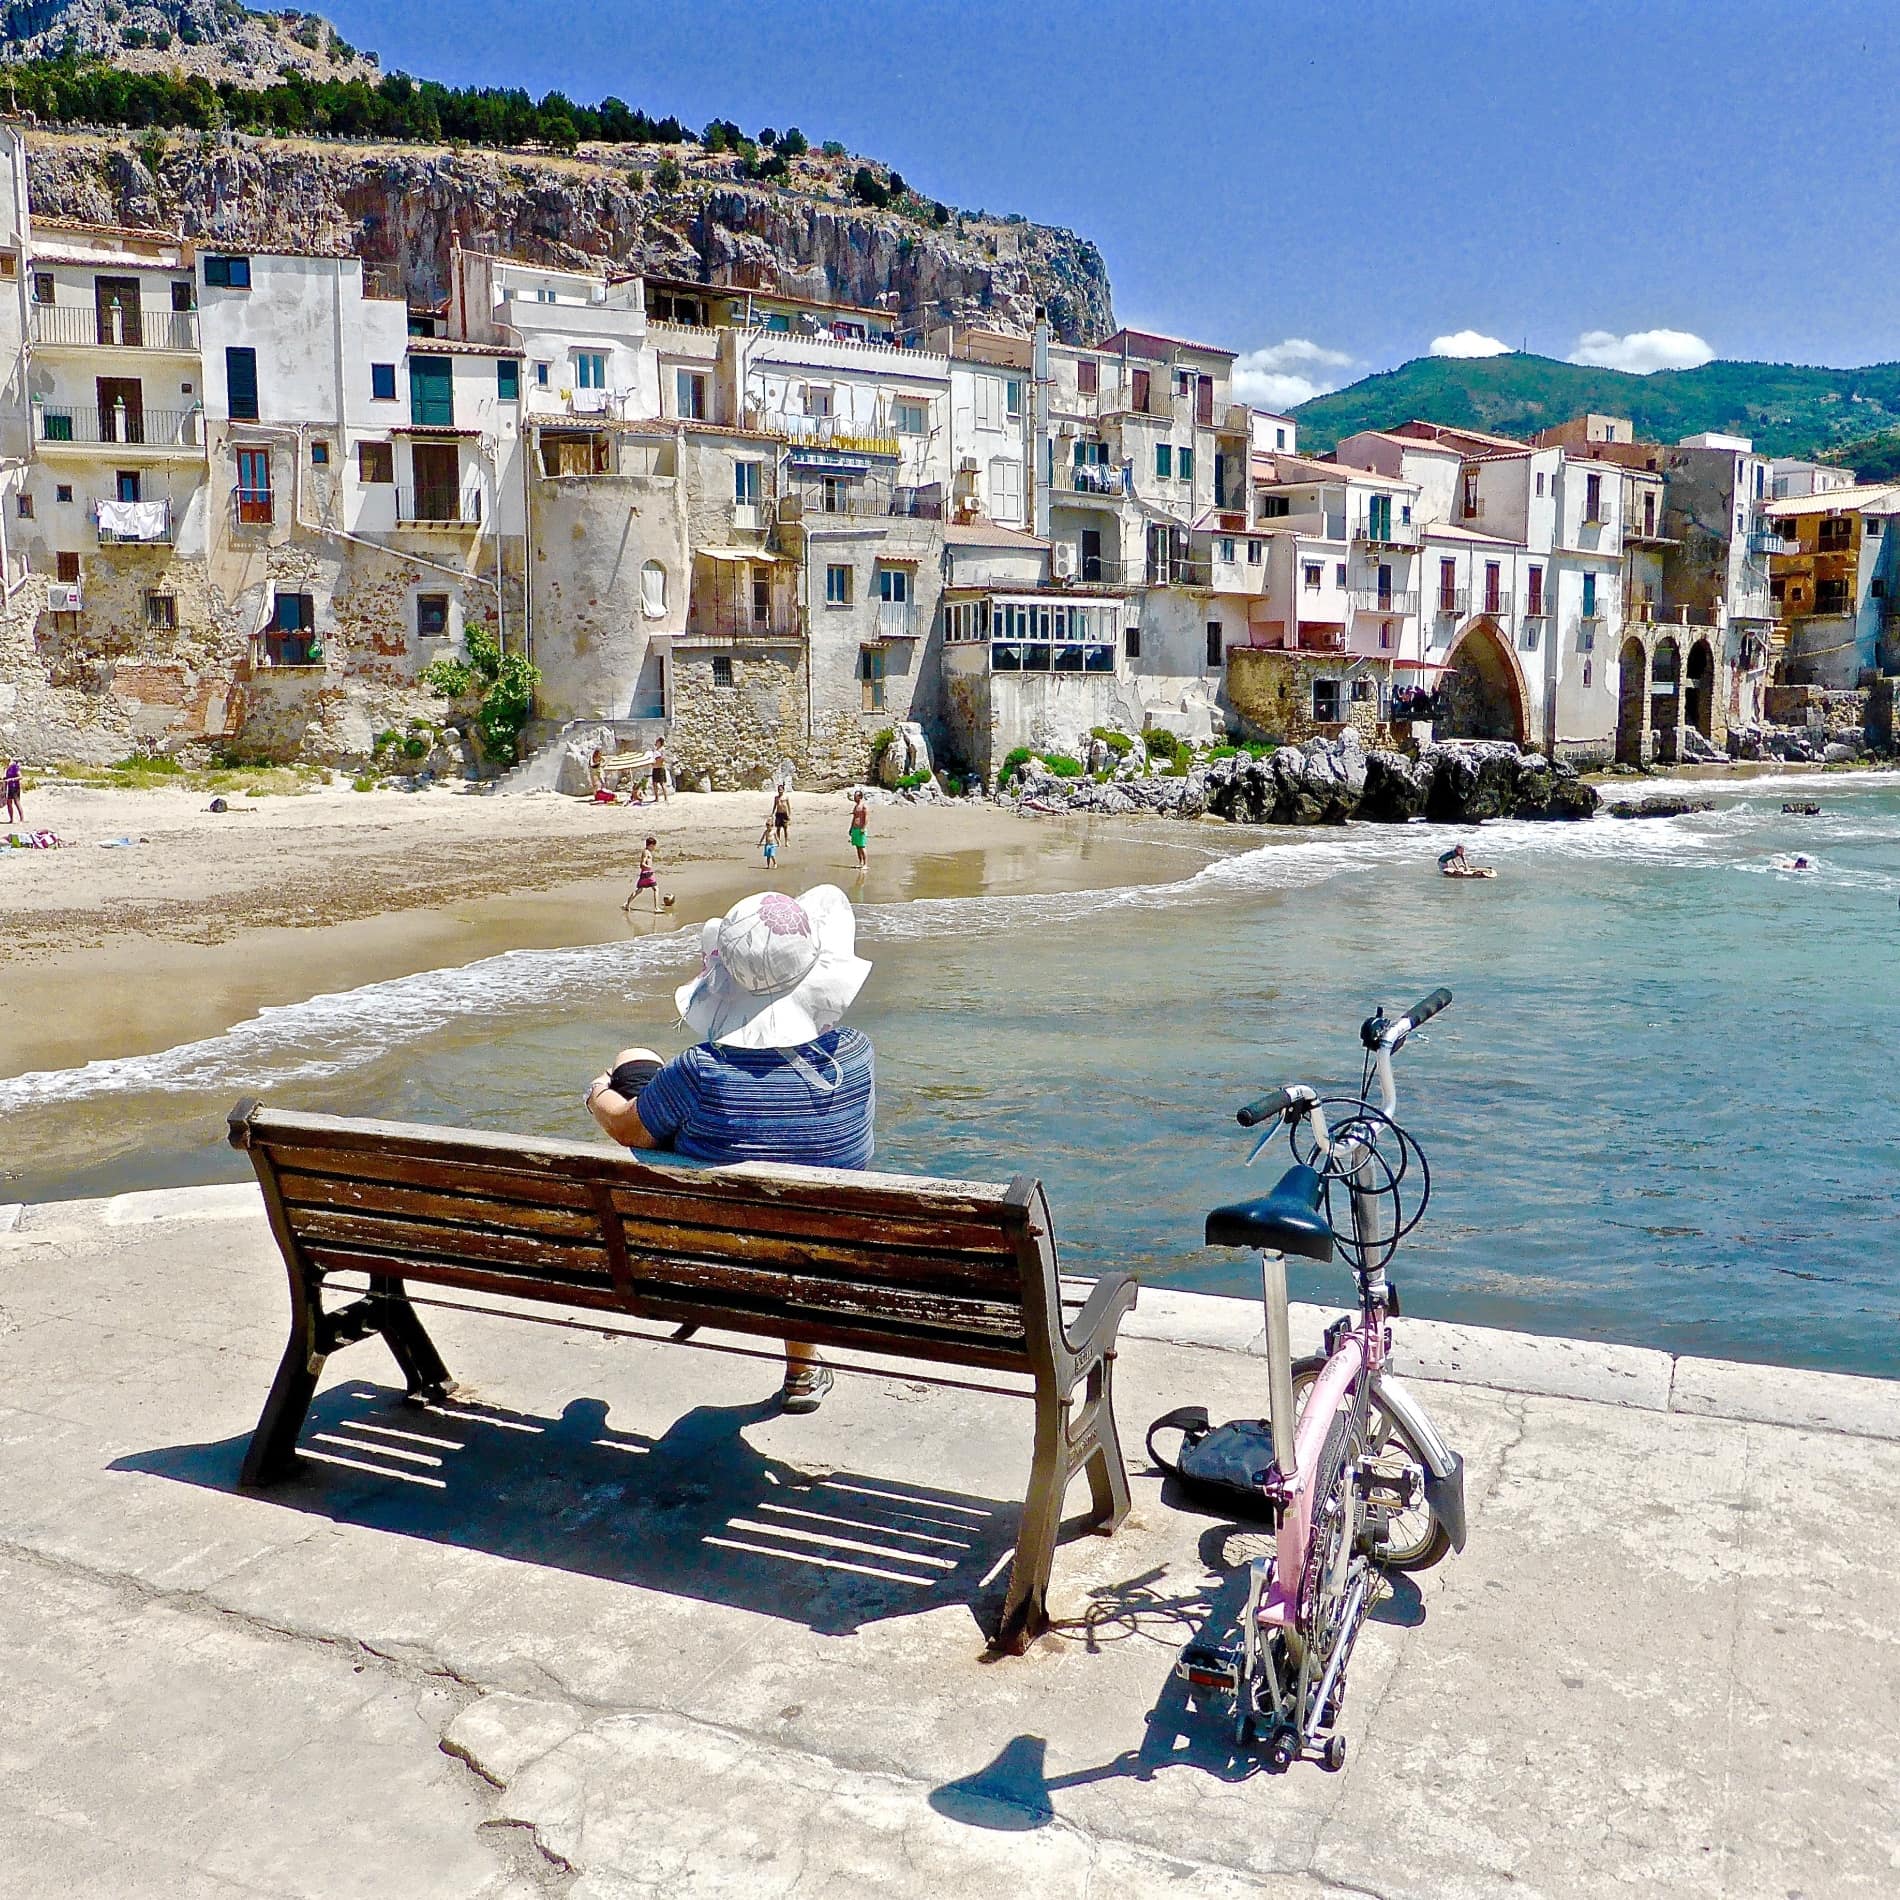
1427	1007
1275	1104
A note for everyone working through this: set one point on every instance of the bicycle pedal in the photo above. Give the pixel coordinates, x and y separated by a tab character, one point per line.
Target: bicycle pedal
1210	1666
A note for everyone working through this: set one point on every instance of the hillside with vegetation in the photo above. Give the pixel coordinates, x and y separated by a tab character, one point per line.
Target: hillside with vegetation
268	130
1785	408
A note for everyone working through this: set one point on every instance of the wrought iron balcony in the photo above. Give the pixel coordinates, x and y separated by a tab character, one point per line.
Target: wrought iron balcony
438	508
117	327
1372	600
85	424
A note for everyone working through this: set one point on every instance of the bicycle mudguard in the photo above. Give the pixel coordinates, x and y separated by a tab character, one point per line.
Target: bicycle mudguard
1445	1499
1444	1468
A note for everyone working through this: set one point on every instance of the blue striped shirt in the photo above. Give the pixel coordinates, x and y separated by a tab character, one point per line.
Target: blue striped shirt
814	1105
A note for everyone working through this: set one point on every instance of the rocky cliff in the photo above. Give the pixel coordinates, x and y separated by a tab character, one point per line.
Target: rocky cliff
403	206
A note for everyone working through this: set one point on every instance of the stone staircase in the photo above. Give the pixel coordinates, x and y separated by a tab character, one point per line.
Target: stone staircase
541	770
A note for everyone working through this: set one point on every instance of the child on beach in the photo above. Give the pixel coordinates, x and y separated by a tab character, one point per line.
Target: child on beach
16	812
768	846
648	881
860	826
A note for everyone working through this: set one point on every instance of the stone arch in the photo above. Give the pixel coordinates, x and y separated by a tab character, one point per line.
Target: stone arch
1484	688
1665	700
1698	689
1632	702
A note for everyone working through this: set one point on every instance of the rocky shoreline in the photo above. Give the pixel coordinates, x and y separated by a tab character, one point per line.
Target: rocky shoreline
1327	782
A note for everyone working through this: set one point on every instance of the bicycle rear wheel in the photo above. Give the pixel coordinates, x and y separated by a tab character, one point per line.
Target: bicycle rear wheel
1412	1539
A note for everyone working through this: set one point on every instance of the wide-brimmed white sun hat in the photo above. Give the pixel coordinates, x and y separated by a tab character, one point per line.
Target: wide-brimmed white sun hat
778	971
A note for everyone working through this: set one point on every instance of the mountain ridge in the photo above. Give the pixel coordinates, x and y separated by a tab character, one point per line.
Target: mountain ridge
325	151
1784	408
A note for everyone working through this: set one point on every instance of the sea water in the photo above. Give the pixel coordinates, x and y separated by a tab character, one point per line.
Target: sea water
1662	1108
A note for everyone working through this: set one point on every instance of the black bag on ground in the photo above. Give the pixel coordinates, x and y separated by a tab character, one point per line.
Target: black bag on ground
1219	1467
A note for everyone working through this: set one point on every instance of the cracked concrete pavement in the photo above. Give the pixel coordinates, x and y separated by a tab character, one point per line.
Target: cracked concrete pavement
604	1626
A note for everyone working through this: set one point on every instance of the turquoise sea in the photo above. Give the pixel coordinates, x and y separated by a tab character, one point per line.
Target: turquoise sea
1662	1109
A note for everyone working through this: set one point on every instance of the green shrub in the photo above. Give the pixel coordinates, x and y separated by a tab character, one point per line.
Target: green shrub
501	685
667	175
384	740
832	149
1062	765
880	744
1118	743
1223	752
911	780
416	747
364	782
1013	763
150	765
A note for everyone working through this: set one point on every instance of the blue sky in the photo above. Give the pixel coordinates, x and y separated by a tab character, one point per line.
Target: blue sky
1327	189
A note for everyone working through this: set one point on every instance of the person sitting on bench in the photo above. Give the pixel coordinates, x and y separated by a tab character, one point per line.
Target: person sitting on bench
775	1076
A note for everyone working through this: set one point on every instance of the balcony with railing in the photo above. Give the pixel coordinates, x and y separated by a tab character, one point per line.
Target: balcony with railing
844	433
438	508
116	327
1108	480
1383	601
1382	531
1637	528
1180	571
896	620
729	623
1767	541
811	500
85	425
1497	605
1451	603
133	523
253	507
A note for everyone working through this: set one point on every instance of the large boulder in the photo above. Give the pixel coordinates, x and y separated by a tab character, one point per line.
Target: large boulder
1394	791
1696	750
907	754
1469	780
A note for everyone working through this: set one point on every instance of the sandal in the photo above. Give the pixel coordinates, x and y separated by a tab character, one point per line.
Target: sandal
805	1388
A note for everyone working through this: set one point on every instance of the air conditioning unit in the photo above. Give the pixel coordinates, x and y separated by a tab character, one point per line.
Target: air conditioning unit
1062	557
62	597
967	466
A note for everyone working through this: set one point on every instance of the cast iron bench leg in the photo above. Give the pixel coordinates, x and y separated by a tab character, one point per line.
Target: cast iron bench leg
421	1365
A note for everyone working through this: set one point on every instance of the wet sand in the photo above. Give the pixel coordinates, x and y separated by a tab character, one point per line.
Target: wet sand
213	917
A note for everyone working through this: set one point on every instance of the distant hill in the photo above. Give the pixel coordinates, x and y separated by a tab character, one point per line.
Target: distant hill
1786	409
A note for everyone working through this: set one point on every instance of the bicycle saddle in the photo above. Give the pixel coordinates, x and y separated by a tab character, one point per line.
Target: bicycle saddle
1286	1221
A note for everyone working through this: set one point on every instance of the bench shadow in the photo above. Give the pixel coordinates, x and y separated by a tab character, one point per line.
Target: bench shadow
698	1512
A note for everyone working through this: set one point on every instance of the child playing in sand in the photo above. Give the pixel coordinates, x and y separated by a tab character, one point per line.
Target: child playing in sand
648	881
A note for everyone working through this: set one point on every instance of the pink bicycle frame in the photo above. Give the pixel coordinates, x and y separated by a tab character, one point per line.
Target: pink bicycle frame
1296	1458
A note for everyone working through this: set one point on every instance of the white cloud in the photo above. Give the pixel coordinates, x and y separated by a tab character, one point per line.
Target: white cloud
1642	351
1284	375
1469	343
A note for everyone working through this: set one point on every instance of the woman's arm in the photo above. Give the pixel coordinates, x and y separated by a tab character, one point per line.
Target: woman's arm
618	1112
618	1116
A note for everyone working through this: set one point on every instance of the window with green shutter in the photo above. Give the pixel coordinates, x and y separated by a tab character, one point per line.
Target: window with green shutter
508	379
1184	463
240	384
432	392
1164	461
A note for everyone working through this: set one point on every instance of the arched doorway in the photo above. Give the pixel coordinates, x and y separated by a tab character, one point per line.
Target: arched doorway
1665	702
1698	706
1484	690
1632	696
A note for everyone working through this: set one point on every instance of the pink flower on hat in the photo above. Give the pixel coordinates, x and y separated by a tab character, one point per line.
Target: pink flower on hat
784	916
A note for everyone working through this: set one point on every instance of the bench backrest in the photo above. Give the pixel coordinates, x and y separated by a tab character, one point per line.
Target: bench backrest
962	1271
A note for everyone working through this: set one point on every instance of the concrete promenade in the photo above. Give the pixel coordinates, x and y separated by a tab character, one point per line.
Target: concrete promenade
603	1626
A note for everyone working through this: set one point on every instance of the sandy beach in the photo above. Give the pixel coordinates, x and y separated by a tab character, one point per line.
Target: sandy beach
210	917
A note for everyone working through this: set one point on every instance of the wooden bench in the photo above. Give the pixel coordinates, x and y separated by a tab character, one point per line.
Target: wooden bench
961	1273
